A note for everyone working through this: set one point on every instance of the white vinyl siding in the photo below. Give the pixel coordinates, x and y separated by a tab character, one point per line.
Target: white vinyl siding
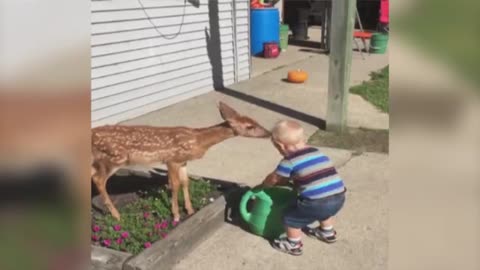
136	69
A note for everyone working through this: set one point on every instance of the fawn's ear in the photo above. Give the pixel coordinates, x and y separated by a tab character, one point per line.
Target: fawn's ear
226	111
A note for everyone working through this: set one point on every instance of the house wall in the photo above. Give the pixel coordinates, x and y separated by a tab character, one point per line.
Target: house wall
138	68
242	19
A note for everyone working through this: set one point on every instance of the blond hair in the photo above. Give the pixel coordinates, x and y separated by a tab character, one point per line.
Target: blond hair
288	132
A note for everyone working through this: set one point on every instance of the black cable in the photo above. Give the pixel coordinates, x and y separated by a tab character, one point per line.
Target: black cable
156	28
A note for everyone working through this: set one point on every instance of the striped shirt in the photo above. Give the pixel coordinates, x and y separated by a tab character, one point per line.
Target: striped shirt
312	172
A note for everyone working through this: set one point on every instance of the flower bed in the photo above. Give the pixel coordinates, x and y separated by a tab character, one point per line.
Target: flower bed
147	219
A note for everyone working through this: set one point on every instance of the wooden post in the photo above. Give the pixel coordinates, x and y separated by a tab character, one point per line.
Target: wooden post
341	37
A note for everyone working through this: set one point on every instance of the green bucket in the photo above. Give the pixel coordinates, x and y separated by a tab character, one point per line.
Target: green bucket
284	30
378	43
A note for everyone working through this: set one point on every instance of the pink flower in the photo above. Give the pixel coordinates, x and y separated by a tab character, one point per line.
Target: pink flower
146	215
157	226
147	244
174	223
96	228
125	234
163	234
107	242
117	228
95	237
164	224
119	241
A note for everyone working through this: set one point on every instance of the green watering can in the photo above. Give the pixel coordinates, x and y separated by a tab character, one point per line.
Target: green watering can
265	218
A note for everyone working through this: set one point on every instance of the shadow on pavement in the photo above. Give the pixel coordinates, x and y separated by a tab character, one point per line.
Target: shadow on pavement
301	116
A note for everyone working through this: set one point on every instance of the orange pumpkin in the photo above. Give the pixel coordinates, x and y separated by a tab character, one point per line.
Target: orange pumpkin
297	76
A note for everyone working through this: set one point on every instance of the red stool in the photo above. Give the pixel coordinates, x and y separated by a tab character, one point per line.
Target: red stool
363	36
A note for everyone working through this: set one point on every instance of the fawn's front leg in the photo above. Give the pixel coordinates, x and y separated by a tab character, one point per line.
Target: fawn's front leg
174	180
184	180
100	178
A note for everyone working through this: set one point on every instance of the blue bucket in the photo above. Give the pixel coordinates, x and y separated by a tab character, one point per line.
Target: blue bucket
264	28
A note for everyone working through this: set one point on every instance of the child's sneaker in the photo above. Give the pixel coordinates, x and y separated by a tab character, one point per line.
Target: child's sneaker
284	245
327	236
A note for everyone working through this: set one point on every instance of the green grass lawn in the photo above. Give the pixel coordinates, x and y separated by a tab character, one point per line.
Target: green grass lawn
375	90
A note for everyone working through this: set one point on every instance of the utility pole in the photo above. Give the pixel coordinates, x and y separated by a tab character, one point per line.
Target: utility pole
343	23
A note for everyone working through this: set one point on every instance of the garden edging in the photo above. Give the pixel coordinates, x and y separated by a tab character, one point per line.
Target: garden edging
108	259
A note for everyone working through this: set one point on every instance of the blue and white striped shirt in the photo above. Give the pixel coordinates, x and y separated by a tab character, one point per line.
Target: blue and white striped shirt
312	172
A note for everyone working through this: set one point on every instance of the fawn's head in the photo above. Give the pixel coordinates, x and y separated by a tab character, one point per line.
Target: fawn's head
242	125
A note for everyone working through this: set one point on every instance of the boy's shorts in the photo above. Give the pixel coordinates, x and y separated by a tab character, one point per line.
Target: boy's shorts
306	211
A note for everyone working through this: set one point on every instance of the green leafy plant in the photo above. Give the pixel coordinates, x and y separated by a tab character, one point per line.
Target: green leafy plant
147	219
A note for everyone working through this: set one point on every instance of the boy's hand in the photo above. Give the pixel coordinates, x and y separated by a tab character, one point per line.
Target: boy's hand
267	184
271	180
283	181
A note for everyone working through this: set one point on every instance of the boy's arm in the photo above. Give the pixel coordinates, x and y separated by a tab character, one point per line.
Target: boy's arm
280	175
274	179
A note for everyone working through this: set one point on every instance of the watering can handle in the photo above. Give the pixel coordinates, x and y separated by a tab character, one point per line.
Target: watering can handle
243	205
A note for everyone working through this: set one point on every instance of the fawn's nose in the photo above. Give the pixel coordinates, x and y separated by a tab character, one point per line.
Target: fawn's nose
266	134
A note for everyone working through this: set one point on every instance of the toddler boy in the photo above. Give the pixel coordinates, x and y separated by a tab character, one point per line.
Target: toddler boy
321	191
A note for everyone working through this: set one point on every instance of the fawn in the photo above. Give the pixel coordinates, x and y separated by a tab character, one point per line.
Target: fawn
114	147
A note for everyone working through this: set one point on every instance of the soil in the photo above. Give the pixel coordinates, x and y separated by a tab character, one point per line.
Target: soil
125	189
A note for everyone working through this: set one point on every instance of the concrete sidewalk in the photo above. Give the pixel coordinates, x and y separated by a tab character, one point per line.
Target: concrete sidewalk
361	226
297	53
362	232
